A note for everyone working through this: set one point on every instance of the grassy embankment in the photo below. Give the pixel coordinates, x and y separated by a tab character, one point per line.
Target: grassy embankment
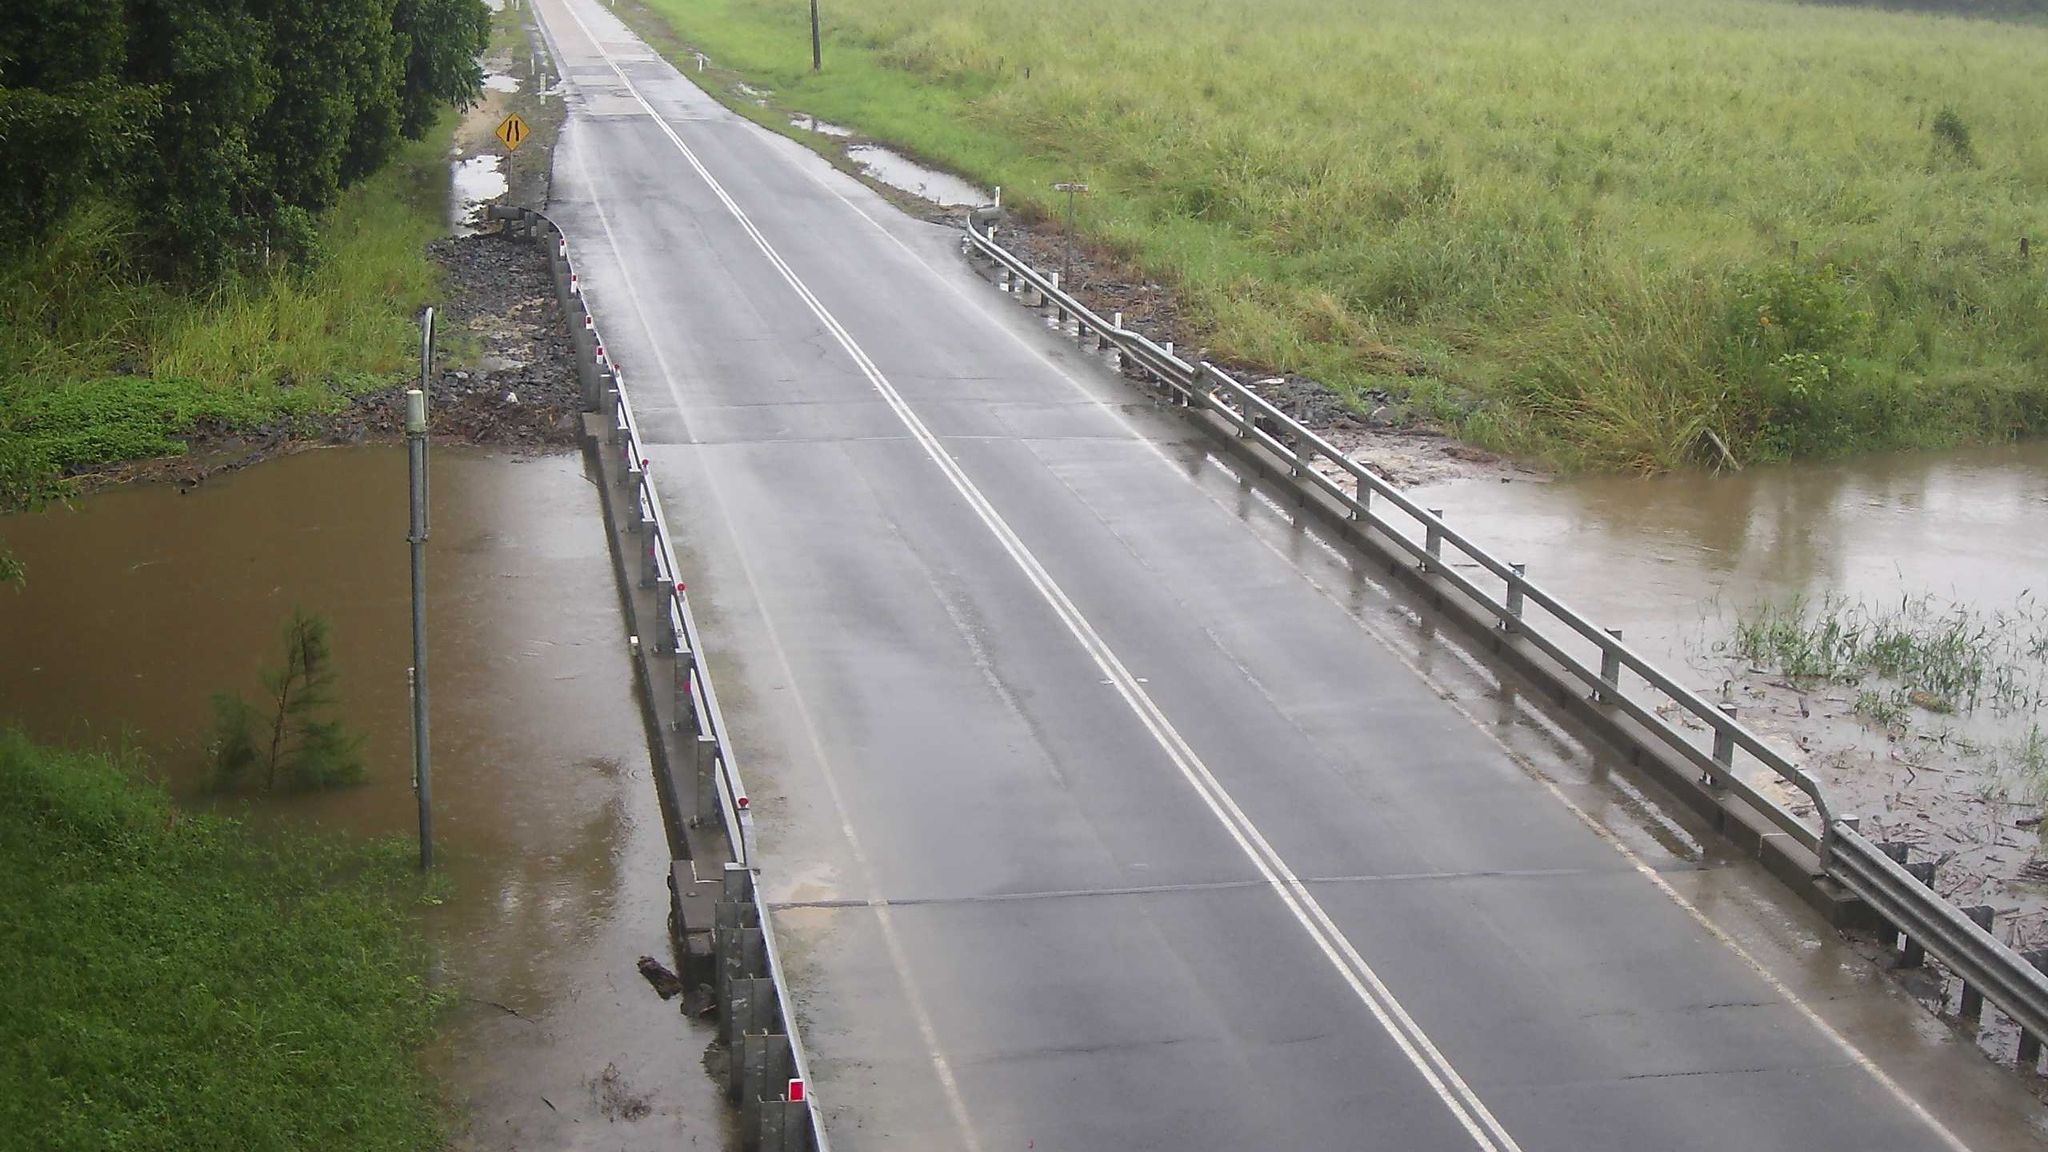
1581	230
99	364
172	982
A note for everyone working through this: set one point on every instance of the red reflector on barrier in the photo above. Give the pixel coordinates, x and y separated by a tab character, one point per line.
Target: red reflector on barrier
740	802
796	1091
679	585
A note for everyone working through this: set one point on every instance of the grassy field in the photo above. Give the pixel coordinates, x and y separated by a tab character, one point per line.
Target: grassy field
170	982
1582	230
98	364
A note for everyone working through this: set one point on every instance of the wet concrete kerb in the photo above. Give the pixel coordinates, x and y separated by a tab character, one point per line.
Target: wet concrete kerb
723	947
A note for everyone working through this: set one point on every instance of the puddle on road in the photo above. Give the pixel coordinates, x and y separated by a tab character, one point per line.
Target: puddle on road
899	171
821	127
474	182
141	602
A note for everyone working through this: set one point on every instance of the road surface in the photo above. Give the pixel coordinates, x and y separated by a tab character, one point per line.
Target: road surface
1099	813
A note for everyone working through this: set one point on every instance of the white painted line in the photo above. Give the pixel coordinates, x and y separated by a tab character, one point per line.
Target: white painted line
1464	1104
1855	1054
892	941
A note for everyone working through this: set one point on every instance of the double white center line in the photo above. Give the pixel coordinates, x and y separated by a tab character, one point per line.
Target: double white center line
1486	1132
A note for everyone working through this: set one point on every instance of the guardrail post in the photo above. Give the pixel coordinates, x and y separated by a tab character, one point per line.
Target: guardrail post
2030	1044
1362	494
1059	310
1516	572
1887	932
650	572
1972	1006
665	625
1915	953
686	704
1432	539
1610	670
1724	749
705	765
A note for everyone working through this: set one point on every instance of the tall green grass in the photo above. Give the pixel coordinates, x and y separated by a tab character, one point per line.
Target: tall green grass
168	981
1589	228
99	363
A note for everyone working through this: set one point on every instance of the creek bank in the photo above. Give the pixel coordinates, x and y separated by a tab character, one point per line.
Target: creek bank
519	392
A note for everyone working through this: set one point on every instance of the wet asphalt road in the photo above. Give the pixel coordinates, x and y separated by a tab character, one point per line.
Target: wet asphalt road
1095	821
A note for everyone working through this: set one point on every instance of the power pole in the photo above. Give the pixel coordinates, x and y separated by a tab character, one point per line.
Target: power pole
817	60
416	474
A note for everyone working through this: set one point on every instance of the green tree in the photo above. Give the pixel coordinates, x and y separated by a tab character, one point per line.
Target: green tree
224	126
68	123
442	40
291	736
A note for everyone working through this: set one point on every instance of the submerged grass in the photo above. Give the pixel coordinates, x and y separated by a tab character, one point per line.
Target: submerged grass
1599	227
1921	653
100	364
172	982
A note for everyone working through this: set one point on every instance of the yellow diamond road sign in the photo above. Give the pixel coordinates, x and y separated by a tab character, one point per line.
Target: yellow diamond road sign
513	132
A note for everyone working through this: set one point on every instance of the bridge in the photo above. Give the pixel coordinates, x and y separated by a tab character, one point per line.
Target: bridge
1100	800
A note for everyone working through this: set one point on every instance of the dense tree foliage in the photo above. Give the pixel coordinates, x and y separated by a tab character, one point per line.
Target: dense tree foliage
226	126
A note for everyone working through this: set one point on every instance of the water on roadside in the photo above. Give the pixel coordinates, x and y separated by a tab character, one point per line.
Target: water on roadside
143	601
899	171
1678	561
475	181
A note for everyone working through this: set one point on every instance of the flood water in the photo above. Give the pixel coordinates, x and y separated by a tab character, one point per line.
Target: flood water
1671	559
141	602
1675	561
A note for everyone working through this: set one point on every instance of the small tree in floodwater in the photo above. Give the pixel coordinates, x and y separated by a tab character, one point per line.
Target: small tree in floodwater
288	737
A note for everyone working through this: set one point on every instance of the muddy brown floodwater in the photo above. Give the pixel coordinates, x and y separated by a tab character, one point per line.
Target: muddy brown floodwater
142	601
1673	561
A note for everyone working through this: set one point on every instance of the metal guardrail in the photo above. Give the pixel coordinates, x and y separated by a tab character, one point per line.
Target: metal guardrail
795	1124
1988	968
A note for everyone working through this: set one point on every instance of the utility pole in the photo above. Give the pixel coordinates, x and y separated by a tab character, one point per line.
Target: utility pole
416	473
1067	261
817	60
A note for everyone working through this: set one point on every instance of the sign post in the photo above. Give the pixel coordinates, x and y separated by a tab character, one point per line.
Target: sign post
416	474
512	132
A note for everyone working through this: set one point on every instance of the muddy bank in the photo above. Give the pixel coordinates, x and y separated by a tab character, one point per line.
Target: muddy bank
516	387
